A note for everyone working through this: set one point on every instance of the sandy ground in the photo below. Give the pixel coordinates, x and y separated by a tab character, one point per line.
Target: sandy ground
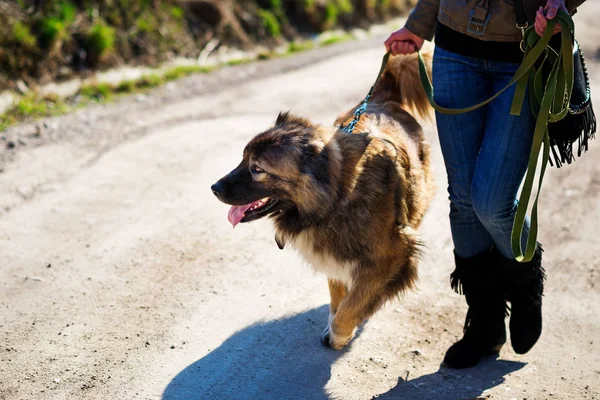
121	278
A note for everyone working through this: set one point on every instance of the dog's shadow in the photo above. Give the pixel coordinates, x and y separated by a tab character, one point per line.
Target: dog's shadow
283	359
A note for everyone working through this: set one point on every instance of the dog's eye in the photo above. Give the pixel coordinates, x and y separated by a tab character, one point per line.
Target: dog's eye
257	170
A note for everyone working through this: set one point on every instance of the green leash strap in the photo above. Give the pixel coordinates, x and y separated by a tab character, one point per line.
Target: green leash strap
549	103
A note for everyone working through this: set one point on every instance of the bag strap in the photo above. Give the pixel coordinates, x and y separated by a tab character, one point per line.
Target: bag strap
520	14
549	103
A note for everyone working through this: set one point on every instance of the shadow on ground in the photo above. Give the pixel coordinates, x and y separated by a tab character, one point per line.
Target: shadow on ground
283	359
446	384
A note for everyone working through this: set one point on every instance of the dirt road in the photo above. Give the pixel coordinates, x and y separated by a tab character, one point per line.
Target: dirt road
121	278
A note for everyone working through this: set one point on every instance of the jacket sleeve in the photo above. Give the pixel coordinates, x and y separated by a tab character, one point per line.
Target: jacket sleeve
423	18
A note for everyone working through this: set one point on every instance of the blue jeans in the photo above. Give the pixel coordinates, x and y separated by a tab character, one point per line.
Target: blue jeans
485	151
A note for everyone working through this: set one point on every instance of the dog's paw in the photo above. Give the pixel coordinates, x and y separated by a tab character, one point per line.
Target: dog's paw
337	342
325	337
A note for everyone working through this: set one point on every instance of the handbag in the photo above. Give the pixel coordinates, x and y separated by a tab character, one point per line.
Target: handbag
579	124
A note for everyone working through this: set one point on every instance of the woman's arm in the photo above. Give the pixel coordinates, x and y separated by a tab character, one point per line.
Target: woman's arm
423	18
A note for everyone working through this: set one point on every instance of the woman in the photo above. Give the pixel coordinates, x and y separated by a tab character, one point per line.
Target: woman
486	153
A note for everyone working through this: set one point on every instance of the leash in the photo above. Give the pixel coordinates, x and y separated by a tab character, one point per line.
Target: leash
550	103
360	110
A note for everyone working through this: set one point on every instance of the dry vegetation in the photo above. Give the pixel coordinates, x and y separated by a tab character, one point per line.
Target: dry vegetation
43	40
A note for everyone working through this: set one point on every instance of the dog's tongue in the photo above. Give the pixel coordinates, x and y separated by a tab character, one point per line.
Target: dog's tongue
236	213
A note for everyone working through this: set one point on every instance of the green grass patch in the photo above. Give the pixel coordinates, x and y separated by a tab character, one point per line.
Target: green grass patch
335	39
51	30
30	106
239	61
33	106
23	36
270	23
147	24
101	39
184	70
150	81
265	55
98	92
176	12
295	47
126	87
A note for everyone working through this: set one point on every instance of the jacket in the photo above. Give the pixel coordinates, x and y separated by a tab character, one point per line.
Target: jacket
455	14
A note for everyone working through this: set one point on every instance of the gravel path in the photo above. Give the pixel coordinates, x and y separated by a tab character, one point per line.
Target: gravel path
121	278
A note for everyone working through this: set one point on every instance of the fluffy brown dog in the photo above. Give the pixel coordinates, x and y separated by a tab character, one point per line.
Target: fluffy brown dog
349	203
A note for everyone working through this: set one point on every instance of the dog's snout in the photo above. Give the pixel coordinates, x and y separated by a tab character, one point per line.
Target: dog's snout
217	189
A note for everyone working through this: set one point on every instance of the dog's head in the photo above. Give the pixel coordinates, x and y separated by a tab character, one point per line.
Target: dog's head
286	168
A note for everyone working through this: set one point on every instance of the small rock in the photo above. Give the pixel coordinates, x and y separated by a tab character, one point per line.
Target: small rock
10	145
417	352
56	380
65	71
172	346
22	87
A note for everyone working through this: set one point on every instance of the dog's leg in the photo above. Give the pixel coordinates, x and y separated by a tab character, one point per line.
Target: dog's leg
368	293
363	299
337	291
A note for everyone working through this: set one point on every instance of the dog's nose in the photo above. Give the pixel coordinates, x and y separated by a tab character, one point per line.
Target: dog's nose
217	189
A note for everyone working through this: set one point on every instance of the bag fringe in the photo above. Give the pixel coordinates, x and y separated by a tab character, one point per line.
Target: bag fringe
562	150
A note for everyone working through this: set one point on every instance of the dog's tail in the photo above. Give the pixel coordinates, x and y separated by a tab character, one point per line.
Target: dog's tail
401	82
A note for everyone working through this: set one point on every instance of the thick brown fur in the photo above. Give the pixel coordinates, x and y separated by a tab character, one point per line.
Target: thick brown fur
350	204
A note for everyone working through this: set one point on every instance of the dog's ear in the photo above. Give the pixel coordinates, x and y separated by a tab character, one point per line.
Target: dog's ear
316	160
286	119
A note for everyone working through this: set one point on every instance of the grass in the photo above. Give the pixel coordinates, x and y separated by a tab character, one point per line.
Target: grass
33	106
296	47
150	81
238	61
23	36
185	70
270	23
101	39
99	92
335	39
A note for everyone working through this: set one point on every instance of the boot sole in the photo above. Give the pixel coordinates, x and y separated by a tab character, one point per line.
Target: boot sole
492	351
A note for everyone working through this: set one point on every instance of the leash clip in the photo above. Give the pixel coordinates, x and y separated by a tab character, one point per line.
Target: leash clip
522	27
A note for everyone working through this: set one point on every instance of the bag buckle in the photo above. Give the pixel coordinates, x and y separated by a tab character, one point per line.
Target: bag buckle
478	20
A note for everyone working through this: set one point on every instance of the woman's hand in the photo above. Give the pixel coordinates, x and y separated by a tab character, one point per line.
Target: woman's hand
549	12
403	41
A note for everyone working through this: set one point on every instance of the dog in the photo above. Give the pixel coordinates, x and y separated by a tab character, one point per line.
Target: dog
349	203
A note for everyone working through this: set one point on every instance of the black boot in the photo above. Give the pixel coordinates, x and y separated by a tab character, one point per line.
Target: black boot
480	278
525	287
